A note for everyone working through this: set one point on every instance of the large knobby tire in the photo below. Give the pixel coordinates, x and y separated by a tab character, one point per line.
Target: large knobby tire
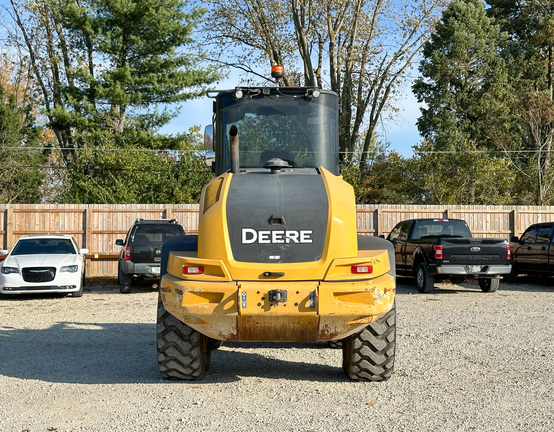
489	285
183	353
369	354
425	282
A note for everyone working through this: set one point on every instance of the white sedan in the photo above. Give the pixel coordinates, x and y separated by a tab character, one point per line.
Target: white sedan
43	264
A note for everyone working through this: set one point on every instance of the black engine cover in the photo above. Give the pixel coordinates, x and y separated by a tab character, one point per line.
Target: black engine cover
277	217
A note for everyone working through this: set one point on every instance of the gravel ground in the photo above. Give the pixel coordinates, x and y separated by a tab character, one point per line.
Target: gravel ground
466	361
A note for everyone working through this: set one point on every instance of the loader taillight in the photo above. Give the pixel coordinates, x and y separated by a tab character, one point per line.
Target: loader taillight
127	253
362	269
193	270
508	252
438	251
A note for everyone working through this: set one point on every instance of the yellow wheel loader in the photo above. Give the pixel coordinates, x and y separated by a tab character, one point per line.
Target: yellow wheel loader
277	257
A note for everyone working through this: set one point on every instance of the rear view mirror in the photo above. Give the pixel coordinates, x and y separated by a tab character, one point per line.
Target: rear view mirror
209	158
515	239
209	137
120	242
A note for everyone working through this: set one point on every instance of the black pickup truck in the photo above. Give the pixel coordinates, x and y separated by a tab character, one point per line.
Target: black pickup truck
533	253
445	248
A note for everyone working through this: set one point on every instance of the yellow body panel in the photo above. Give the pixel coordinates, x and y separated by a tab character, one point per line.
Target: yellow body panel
325	301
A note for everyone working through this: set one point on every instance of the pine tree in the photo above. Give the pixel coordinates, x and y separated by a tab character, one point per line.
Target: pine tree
464	84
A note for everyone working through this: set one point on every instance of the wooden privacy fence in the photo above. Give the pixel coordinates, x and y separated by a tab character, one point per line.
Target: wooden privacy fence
96	227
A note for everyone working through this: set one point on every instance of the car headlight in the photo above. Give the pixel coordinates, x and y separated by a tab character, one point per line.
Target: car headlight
69	269
8	270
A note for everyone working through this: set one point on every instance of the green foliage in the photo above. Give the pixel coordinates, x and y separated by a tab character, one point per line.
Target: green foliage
109	173
110	74
138	61
530	132
469	116
464	80
530	26
20	155
469	177
381	181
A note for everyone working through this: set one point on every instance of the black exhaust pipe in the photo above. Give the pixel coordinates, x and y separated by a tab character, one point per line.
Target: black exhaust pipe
234	140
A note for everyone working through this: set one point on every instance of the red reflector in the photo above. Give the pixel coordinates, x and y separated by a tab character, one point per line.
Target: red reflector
193	270
508	252
438	251
127	253
362	269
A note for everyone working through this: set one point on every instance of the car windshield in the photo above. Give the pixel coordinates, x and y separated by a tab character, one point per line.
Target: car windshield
294	127
43	247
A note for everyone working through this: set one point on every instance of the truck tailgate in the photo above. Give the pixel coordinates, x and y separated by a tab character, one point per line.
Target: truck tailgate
469	251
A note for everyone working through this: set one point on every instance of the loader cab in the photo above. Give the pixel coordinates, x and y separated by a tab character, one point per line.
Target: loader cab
278	128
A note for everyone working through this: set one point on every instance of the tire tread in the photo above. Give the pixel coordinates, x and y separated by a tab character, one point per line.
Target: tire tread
369	354
183	353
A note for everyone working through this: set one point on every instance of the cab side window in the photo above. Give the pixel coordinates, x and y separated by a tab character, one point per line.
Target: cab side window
544	234
395	233
529	236
404	230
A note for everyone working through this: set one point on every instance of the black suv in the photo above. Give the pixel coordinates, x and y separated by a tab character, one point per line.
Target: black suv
142	253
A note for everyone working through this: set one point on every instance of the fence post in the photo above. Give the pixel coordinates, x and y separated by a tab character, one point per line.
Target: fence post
515	222
88	227
379	223
9	227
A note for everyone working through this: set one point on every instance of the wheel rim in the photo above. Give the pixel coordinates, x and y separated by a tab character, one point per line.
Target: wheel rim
420	277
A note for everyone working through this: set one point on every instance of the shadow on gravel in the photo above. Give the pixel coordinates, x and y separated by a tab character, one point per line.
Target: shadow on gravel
231	362
86	353
524	283
96	289
89	353
529	284
407	286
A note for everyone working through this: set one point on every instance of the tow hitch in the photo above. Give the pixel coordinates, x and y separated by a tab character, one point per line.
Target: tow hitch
278	296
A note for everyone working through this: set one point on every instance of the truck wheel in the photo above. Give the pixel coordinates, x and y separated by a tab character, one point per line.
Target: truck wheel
369	354
183	353
425	282
489	284
511	277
